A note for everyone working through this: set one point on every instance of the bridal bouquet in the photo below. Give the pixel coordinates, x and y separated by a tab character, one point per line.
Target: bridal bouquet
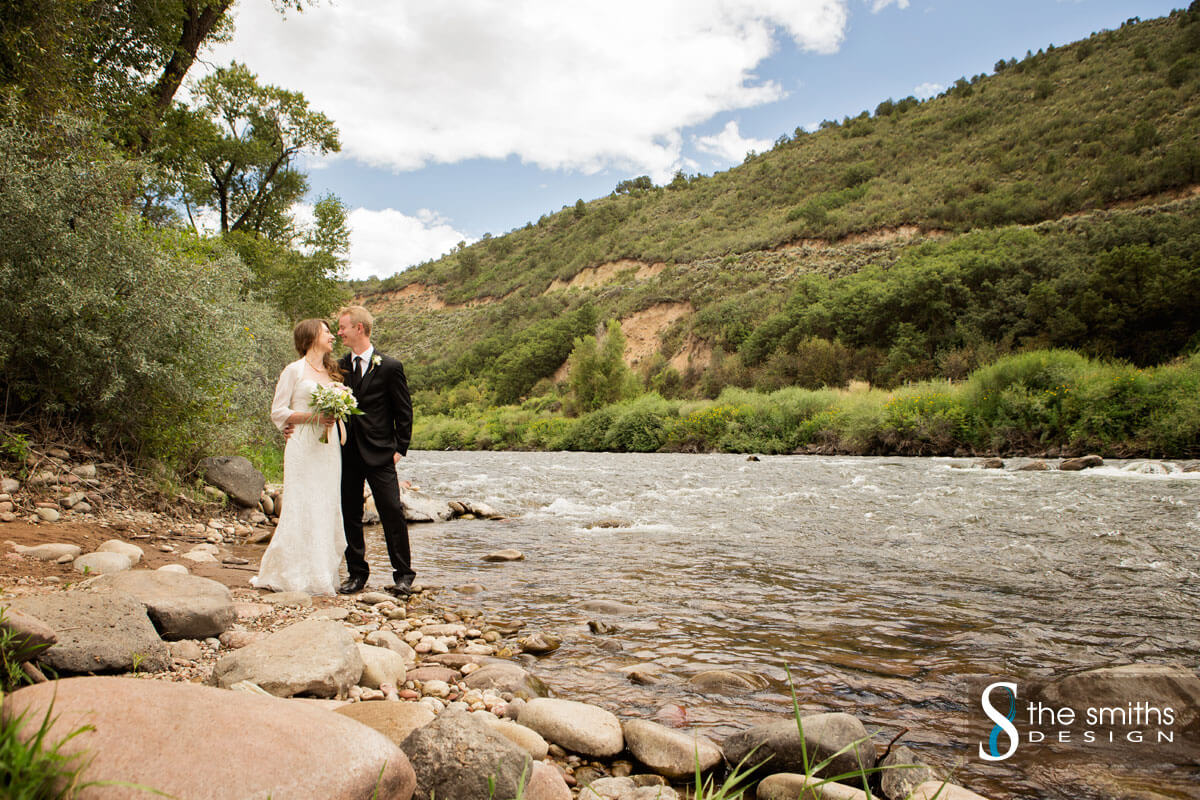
335	400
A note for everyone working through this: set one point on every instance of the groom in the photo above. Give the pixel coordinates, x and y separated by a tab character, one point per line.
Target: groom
375	441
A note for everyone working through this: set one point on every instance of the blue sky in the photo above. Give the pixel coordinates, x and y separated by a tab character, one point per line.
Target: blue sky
465	117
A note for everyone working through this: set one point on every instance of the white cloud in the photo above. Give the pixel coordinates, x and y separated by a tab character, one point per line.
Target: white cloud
730	146
385	242
579	85
880	5
927	90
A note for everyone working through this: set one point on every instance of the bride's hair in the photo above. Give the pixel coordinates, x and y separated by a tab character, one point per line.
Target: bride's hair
305	334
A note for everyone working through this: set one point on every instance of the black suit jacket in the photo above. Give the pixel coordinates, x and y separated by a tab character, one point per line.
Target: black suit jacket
385	426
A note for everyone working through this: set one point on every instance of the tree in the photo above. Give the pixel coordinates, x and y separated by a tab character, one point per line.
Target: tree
598	372
234	152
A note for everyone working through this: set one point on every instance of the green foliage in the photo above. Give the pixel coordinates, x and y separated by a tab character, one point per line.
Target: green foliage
1026	403
144	336
235	151
598	373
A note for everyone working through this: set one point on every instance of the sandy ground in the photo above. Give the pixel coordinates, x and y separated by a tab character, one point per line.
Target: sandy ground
90	535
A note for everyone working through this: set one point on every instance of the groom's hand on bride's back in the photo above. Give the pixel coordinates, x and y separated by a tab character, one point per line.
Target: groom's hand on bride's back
288	430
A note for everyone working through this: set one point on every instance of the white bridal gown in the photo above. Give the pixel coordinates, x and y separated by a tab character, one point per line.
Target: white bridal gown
309	541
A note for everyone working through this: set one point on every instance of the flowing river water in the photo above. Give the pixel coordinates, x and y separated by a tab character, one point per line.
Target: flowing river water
880	583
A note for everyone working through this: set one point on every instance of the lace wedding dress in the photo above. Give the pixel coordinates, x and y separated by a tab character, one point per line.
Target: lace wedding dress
306	550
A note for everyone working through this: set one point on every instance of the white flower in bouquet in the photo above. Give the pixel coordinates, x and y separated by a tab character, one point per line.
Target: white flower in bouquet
335	401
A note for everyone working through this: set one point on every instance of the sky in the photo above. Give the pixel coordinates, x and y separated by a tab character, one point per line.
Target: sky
464	117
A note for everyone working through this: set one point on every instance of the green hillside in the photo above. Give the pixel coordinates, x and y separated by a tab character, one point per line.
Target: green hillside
1049	204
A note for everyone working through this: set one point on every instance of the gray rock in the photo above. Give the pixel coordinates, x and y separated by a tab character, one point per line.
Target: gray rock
186	650
84	471
728	681
134	552
47	514
181	606
539	643
669	752
97	633
1033	466
314	657
190	741
790	785
824	734
990	463
505	676
49	552
380	665
902	772
235	476
9	486
458	756
579	727
1083	462
420	507
375	598
101	563
608	789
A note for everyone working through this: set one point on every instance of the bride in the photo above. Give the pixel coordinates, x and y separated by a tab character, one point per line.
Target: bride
307	547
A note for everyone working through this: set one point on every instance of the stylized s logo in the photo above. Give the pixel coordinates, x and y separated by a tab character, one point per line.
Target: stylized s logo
1003	723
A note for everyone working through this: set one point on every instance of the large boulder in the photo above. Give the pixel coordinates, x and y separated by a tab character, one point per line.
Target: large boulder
101	563
208	744
181	606
458	756
235	476
97	633
824	735
317	658
579	727
505	676
672	753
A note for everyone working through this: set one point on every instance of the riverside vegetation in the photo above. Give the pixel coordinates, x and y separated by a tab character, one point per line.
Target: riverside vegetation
1049	206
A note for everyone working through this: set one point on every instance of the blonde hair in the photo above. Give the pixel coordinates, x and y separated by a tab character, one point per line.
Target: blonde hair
358	316
305	334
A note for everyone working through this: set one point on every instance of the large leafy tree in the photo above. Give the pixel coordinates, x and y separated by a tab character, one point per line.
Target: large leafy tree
235	152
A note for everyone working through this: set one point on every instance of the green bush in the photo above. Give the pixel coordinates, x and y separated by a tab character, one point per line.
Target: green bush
142	336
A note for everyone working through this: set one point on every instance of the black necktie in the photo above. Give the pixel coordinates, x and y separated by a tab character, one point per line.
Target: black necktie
357	369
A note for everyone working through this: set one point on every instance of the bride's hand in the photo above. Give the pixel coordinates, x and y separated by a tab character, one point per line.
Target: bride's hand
324	420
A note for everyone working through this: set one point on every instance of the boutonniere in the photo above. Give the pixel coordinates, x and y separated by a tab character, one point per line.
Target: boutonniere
376	360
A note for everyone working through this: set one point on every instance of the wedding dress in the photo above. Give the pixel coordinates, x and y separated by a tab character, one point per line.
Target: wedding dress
306	550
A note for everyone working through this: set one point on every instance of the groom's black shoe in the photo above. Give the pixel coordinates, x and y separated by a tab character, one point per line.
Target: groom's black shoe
401	589
352	585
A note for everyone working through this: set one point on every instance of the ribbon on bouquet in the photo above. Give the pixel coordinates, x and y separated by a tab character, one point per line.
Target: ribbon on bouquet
341	426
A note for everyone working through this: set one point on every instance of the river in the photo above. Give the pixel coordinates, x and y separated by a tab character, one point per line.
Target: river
880	583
